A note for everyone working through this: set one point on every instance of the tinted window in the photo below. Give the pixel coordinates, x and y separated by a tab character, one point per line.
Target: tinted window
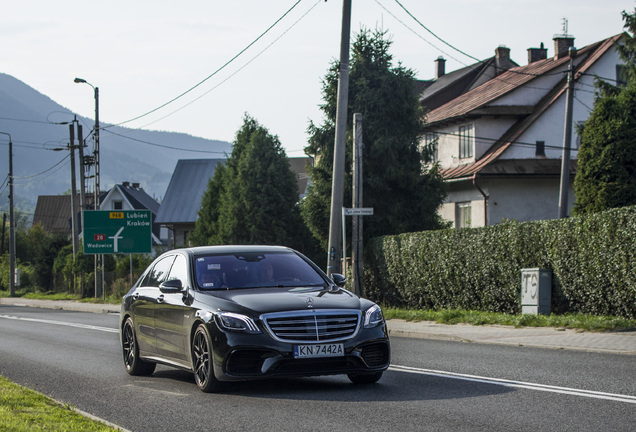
254	270
159	272
179	270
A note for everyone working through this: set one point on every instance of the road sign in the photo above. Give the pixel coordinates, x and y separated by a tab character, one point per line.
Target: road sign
360	211
119	231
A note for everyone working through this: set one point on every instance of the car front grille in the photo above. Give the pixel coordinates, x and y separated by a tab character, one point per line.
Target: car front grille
313	325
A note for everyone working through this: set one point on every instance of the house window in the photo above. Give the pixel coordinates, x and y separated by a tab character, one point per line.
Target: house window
463	215
431	144
621	76
466	141
540	149
118	205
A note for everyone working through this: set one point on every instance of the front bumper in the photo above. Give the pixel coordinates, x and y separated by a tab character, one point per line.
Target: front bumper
253	356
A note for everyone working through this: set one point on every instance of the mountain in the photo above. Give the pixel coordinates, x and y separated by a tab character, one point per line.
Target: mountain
134	155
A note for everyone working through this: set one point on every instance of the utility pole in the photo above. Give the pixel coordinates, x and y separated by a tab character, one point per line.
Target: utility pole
80	147
337	186
357	237
11	221
567	140
4	223
99	259
71	147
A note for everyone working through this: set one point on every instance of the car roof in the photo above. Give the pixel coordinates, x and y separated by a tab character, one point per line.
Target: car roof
206	250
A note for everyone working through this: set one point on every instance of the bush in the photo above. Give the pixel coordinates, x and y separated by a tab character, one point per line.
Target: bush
592	258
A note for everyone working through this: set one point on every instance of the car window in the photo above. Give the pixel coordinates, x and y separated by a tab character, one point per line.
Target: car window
159	272
179	270
253	270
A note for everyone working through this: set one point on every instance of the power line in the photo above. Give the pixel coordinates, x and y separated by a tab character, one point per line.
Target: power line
434	35
486	139
239	69
163	145
213	73
43	172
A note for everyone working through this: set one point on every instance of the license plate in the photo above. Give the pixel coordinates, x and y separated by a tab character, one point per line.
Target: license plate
323	350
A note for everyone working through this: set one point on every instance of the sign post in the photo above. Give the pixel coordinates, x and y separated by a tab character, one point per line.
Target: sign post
356	211
119	231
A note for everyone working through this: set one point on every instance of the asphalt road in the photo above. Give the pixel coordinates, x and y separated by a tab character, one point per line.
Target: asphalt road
75	358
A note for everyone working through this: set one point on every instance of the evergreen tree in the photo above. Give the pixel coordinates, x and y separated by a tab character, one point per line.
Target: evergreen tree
253	199
606	174
404	197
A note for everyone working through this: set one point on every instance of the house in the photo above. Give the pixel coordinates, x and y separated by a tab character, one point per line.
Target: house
179	210
130	196
54	212
499	144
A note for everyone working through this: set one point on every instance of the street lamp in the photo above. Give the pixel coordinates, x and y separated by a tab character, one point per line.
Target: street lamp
96	133
96	156
11	221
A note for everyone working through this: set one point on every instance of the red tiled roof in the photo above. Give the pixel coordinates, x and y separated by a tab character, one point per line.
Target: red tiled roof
502	85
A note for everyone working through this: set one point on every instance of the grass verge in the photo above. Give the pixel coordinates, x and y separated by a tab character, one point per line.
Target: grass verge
454	316
25	410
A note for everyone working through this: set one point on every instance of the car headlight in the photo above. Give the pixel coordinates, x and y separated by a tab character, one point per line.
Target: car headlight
373	317
237	322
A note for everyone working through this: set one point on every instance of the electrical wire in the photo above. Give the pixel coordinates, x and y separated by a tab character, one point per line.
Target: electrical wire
163	145
418	35
434	35
213	73
43	172
485	139
239	69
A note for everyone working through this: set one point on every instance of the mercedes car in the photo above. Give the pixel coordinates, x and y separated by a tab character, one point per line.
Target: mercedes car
237	313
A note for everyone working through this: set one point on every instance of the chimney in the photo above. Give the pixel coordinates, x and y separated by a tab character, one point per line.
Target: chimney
440	67
135	185
502	59
536	54
125	184
562	44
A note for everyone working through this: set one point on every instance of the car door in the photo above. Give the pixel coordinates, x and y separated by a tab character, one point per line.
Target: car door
170	316
144	302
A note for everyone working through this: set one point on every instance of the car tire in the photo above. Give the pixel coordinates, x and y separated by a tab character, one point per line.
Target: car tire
202	361
365	378
130	350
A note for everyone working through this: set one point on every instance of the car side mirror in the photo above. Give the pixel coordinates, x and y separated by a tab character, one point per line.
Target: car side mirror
172	286
339	279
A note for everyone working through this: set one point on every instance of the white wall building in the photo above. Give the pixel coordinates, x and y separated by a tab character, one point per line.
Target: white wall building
500	144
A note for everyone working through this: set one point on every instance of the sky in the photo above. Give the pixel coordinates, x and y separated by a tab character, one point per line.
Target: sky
143	54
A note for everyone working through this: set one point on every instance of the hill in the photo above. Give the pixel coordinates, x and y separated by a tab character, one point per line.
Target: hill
41	164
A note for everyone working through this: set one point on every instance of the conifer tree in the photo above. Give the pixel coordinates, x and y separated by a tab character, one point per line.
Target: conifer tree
404	196
606	174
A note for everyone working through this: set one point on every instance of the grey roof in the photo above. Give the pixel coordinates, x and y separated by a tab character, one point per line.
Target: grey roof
138	197
185	191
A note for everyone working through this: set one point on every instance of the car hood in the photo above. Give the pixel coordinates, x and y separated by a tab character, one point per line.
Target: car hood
266	300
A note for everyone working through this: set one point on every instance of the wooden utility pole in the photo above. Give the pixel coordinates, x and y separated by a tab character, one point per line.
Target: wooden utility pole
567	140
71	147
337	186
357	237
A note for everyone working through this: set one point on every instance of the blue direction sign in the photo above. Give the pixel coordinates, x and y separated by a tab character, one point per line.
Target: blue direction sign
119	231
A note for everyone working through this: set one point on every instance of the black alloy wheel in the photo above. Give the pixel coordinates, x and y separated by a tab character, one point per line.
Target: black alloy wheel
130	350
369	378
202	361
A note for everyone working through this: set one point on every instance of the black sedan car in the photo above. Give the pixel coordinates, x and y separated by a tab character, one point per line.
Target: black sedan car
230	313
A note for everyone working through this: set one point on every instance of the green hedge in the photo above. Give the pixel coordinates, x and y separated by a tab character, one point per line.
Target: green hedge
592	258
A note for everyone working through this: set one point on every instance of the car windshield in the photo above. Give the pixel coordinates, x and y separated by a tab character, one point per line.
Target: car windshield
255	270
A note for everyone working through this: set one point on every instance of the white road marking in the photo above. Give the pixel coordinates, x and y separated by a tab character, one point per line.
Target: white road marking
517	384
63	323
